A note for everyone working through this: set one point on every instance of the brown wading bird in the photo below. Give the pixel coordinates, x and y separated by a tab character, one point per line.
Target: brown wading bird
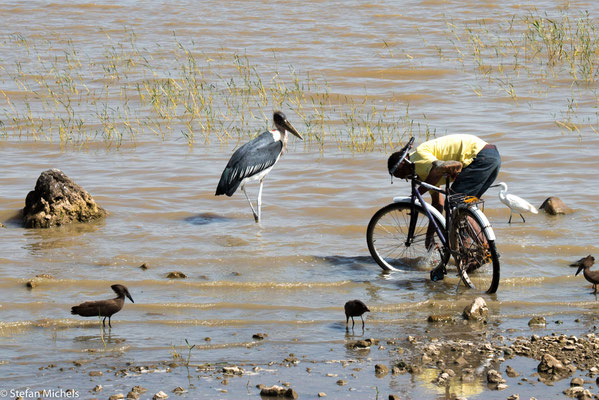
354	308
585	264
103	308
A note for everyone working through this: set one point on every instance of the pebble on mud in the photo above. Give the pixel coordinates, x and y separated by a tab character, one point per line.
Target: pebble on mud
441	318
259	336
160	395
234	370
494	376
537	321
179	390
34	282
511	372
176	275
477	310
322	394
97	388
118	396
381	370
277	391
143	266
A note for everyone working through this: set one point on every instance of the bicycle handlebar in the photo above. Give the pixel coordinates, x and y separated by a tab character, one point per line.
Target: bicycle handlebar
403	154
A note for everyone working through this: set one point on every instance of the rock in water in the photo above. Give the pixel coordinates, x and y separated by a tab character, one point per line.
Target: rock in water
57	200
554	206
477	310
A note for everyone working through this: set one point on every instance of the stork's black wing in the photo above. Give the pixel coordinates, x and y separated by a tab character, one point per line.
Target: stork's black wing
250	159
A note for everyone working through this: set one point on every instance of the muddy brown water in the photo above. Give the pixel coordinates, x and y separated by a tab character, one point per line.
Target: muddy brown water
290	275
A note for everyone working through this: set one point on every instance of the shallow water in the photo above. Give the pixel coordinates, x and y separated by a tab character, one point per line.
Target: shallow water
290	275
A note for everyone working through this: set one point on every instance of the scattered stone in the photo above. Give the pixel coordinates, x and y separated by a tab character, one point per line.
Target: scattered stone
477	310
259	336
554	206
494	376
578	392
96	373
97	388
117	396
34	282
143	266
441	318
501	386
341	382
322	394
277	391
552	366
514	397
133	395
511	372
139	389
393	397
380	370
160	395
537	321
577	382
179	390
176	275
234	370
57	200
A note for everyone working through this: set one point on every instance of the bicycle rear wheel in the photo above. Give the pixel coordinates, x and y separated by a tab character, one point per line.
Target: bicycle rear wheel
475	253
387	234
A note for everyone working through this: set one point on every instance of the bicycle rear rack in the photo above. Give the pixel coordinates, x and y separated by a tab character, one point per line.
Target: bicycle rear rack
461	198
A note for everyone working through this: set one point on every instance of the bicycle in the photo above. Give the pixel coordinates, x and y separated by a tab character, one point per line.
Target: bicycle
398	235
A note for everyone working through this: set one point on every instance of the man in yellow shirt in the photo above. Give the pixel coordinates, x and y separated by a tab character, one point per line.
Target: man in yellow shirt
471	163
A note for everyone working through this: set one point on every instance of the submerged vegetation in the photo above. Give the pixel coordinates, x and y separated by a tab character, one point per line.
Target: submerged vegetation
548	55
124	91
120	91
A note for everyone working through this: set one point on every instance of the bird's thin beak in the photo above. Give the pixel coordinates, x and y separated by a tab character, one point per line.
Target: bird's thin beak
495	185
129	296
579	269
290	128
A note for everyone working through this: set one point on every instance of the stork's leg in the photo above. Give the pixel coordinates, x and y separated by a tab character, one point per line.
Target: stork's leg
362	322
110	326
352	322
104	322
521	216
510	220
249	201
260	200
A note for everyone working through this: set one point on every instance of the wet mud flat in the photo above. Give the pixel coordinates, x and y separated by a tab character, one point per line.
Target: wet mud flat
446	359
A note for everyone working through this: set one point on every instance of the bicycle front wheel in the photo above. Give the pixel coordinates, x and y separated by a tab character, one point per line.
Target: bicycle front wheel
387	238
476	255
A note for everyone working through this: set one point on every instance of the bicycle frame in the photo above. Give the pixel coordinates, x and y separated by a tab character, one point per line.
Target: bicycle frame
443	234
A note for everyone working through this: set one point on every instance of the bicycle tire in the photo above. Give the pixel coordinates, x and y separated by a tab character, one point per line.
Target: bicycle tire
477	259
386	238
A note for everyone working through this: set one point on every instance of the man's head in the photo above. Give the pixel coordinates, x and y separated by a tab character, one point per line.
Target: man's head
402	170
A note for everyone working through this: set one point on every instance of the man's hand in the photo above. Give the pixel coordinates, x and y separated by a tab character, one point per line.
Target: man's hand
451	168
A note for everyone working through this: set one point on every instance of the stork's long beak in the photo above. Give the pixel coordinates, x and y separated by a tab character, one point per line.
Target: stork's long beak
290	128
129	296
579	269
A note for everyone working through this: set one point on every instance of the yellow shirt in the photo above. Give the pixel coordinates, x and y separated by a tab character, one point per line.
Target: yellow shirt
461	147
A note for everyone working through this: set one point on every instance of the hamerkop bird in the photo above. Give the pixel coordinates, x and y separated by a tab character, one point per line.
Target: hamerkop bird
103	308
585	264
354	308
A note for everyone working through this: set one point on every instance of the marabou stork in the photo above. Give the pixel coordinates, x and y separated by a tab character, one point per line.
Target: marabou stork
254	160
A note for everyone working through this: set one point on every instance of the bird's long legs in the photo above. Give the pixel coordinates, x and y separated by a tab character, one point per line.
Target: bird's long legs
260	200
256	217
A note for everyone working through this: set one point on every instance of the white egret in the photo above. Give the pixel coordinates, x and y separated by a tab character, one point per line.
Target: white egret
514	202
